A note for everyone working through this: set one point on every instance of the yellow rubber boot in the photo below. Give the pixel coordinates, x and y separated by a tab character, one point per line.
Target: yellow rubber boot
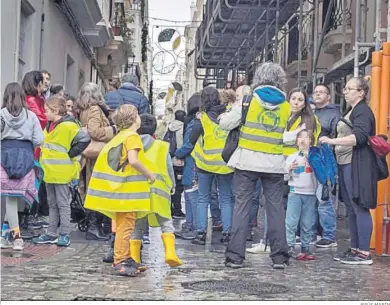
135	250
170	252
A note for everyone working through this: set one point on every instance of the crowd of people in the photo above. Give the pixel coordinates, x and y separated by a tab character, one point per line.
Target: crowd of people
130	179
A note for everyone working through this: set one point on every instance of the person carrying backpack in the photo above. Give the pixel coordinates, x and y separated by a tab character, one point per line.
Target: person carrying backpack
174	136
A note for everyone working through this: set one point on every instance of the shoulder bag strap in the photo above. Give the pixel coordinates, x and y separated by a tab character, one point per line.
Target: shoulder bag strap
246	102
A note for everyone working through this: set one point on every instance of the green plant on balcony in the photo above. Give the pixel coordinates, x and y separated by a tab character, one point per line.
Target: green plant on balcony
144	41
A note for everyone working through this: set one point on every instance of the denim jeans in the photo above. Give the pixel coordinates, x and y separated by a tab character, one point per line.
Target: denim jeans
300	209
214	204
327	216
191	203
226	199
255	205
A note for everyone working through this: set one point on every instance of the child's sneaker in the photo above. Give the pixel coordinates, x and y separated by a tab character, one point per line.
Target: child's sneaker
259	248
5	243
225	238
200	239
145	240
291	251
18	244
357	259
305	256
124	269
45	239
63	241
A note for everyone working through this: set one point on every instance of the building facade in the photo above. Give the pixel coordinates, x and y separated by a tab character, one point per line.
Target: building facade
73	39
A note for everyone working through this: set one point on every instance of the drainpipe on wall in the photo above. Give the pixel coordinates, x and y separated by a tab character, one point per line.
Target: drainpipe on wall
17	34
41	37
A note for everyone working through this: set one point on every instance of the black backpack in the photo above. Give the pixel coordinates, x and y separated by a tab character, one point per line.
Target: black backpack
231	143
170	137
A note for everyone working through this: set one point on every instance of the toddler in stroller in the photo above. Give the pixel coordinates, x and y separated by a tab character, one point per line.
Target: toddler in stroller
78	213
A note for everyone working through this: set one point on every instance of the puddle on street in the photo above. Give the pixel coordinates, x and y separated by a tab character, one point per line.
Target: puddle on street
16	254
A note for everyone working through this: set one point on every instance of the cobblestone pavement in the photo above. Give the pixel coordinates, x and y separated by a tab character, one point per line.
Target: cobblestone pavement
77	273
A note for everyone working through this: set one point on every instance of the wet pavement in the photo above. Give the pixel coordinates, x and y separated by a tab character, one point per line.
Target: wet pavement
77	273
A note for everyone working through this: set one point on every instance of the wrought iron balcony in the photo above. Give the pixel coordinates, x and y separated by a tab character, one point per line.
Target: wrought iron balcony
337	15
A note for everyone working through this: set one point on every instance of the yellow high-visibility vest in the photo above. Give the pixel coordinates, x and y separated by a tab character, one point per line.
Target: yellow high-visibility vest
289	149
160	191
208	149
111	191
263	128
57	166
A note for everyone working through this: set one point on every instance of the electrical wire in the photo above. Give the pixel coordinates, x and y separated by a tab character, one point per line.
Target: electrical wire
173	21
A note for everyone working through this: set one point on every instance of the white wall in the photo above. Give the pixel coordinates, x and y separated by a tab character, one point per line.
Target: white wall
59	43
10	17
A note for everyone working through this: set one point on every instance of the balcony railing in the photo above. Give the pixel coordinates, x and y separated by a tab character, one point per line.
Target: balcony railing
337	15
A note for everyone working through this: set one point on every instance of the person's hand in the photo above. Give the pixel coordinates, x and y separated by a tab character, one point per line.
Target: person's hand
198	115
173	191
152	178
294	166
325	140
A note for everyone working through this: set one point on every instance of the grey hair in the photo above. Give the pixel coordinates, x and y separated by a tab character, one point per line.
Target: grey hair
362	84
130	78
89	95
270	74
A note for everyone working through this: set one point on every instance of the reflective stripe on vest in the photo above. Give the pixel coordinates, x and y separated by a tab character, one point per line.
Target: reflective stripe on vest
111	191
208	149
263	129
291	148
57	166
160	197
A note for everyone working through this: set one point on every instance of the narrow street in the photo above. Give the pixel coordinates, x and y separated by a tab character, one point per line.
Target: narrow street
77	273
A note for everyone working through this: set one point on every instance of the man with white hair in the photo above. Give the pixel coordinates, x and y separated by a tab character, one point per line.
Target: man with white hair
259	156
128	93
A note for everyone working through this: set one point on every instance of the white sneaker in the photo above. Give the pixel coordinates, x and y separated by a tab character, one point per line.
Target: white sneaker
18	244
193	189
5	243
259	248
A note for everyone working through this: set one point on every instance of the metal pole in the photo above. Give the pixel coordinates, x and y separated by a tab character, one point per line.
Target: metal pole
388	22
357	39
300	41
315	37
344	6
276	31
378	25
267	36
326	24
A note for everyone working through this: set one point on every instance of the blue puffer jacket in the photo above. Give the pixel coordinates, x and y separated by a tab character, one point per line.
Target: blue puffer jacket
130	95
184	152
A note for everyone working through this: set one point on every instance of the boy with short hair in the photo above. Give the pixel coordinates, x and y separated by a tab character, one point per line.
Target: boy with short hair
160	201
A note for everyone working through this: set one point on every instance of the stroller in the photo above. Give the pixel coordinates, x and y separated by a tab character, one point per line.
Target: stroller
78	213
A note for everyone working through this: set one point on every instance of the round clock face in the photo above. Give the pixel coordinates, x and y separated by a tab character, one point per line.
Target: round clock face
164	62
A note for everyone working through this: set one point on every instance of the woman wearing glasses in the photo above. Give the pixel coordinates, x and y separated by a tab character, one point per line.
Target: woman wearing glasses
357	170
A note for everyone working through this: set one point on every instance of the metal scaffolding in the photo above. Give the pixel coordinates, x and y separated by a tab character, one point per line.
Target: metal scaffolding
237	35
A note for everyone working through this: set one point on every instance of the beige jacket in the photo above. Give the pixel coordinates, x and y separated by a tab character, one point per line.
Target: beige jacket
97	124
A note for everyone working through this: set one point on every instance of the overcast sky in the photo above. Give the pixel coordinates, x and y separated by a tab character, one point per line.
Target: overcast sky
173	10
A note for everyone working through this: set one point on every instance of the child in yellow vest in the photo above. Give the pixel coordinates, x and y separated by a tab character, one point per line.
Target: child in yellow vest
158	152
120	185
64	142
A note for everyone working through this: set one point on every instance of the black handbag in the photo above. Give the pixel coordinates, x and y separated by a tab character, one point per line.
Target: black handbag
234	134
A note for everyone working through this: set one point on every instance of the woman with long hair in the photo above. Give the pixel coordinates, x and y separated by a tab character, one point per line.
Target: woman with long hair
20	134
94	115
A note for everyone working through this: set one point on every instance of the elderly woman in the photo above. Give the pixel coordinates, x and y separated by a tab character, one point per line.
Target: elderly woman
259	156
358	179
94	116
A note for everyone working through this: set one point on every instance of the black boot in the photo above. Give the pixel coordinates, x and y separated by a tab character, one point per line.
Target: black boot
95	229
23	224
109	258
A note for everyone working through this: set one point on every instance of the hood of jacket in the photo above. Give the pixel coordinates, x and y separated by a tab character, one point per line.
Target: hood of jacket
147	141
215	111
12	121
175	125
269	97
65	118
130	87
